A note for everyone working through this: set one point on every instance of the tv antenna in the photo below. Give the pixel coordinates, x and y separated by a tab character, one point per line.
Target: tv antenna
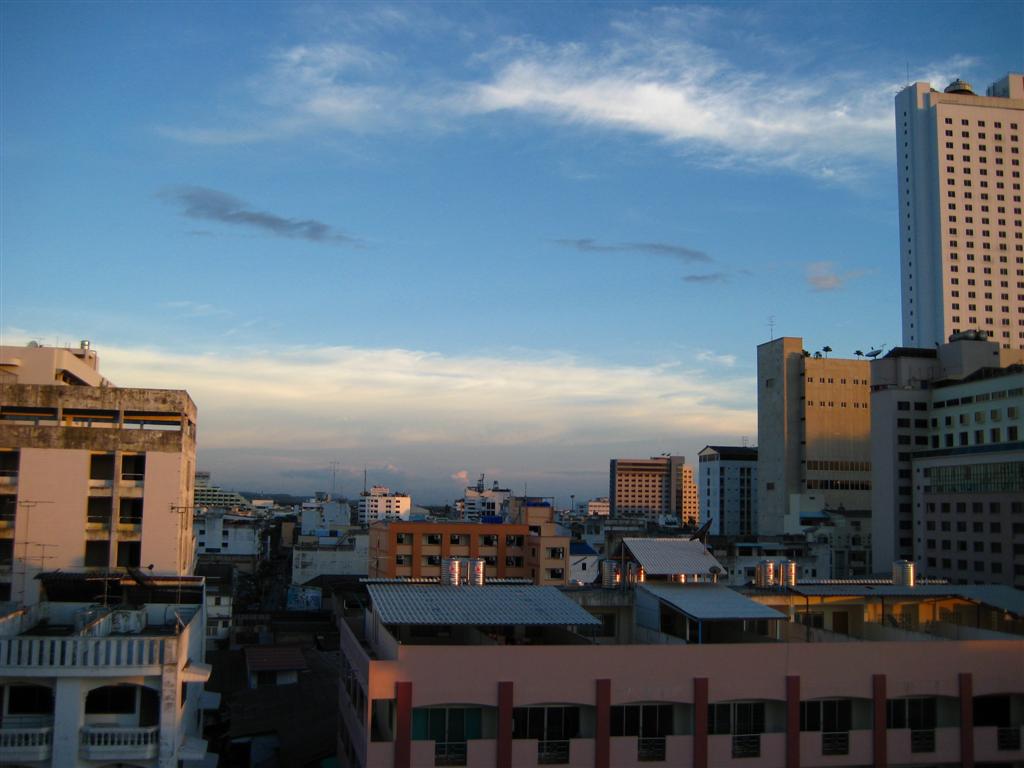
28	505
334	476
771	327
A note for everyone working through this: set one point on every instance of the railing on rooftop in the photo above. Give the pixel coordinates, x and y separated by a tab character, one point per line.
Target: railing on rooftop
86	651
100	742
25	744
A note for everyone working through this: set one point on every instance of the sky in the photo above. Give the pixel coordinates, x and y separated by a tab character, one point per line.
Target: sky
437	240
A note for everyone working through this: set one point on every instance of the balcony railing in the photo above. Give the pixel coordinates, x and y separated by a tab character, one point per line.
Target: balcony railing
922	741
553	752
25	745
85	652
1008	739
111	743
449	753
746	745
650	750
836	743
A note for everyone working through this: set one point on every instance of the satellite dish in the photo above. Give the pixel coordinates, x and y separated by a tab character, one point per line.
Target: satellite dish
701	532
873	353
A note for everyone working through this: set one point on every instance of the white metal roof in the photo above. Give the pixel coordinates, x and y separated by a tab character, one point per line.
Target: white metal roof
663	557
710	602
497	605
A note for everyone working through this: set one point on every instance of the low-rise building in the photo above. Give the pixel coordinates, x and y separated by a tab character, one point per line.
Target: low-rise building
104	670
344	554
380	503
514	675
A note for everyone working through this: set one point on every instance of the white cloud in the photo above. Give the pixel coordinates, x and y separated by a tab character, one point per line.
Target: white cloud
822	276
652	75
462	476
707	356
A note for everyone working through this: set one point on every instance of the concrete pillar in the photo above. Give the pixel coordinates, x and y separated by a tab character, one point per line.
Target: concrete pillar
966	720
880	734
602	735
793	721
403	725
700	722
506	694
68	711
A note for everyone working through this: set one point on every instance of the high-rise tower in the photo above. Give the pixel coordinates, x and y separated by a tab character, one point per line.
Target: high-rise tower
961	238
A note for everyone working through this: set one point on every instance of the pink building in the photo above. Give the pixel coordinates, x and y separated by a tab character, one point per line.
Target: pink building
515	676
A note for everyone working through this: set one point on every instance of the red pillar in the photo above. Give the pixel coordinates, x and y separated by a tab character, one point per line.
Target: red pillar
880	733
602	740
700	722
403	725
966	720
505	692
793	721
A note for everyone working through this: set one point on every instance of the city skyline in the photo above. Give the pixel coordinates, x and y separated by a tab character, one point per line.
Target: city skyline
439	240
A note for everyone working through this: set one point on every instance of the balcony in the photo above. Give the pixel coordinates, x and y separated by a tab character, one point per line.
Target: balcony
112	743
25	745
40	655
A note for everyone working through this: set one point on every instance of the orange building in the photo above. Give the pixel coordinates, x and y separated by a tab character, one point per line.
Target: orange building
416	549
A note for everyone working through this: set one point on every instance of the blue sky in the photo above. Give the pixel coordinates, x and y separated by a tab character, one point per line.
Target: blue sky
444	239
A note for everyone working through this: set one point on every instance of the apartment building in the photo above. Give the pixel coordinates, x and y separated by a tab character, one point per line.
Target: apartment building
961	233
948	454
814	434
104	670
92	476
727	488
517	676
538	551
208	495
379	503
479	501
660	489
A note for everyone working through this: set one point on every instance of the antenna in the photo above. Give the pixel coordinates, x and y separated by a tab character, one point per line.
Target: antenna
771	327
364	479
29	505
908	73
334	476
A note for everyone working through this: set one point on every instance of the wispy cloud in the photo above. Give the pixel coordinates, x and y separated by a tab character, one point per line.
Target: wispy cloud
659	73
710	277
213	205
661	249
707	356
823	276
196	309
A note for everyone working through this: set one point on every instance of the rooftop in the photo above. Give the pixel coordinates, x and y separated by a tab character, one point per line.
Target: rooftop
672	556
711	602
488	605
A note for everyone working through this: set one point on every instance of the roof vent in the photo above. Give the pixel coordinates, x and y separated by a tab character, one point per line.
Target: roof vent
960	86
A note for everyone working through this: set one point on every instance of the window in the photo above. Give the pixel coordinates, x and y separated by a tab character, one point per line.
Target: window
741	717
133	466
97	554
131	512
101	466
830	715
29	700
111	700
917	713
129	554
98	510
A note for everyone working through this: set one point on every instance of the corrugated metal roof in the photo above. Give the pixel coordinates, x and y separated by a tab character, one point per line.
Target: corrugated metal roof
503	605
710	602
996	595
663	557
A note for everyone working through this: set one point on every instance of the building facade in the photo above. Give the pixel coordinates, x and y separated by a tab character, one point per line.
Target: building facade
92	476
710	678
961	233
659	489
948	453
536	550
814	427
727	489
379	503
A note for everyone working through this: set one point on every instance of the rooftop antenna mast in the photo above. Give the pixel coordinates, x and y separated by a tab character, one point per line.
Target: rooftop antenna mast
28	505
771	327
364	479
334	476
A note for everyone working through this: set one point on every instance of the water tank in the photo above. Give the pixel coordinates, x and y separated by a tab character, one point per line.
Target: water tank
764	574
451	571
903	573
475	574
608	573
787	573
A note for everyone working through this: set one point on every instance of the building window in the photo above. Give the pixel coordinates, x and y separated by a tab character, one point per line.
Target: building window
97	554
129	554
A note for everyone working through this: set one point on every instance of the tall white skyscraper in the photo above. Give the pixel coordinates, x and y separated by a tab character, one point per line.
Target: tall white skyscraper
961	238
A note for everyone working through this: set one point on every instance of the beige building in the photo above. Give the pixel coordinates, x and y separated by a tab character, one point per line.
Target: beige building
948	458
961	233
814	435
660	489
92	476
